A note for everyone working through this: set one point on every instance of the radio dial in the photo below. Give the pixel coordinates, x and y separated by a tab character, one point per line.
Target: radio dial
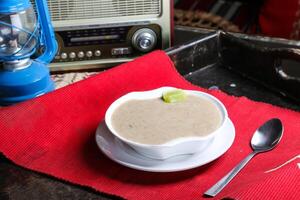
80	54
144	39
72	55
89	54
97	53
64	56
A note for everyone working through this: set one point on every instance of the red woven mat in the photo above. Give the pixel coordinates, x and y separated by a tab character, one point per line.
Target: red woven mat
55	134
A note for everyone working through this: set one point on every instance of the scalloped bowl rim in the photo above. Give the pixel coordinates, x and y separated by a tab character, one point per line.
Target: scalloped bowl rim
155	93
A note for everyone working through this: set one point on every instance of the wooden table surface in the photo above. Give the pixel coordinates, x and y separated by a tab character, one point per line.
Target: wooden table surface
17	183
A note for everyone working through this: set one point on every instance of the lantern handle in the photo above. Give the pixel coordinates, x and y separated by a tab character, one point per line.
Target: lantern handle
47	32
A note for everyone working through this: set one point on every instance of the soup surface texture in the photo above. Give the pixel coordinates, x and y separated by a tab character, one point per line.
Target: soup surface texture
154	121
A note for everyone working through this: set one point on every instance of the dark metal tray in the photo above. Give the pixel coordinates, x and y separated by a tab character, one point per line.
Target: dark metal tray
219	58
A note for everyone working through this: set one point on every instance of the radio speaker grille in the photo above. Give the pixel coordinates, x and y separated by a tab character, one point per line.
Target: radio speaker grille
63	10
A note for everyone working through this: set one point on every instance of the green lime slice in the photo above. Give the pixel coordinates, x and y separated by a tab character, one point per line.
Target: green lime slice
174	96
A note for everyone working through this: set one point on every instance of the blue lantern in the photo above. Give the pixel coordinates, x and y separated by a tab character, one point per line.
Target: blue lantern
21	33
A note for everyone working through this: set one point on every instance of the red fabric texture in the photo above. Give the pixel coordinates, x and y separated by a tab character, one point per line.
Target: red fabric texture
277	17
55	134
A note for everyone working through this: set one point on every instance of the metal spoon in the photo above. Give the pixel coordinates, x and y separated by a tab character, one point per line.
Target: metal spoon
265	138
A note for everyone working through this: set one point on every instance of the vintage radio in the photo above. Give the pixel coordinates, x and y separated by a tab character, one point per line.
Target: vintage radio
101	33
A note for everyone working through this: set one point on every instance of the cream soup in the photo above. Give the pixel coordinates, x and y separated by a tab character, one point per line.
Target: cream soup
154	121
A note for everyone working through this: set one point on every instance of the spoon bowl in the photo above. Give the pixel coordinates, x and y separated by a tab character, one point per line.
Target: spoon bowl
265	138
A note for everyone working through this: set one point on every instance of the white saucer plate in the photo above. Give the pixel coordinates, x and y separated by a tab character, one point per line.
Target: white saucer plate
125	155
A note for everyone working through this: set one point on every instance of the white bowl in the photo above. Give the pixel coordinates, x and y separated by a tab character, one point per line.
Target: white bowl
179	146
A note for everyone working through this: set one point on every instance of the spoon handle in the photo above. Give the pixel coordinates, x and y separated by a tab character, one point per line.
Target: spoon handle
215	189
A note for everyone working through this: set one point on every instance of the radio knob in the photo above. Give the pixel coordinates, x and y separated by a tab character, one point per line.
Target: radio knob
89	54
72	55
80	54
64	56
144	39
97	53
